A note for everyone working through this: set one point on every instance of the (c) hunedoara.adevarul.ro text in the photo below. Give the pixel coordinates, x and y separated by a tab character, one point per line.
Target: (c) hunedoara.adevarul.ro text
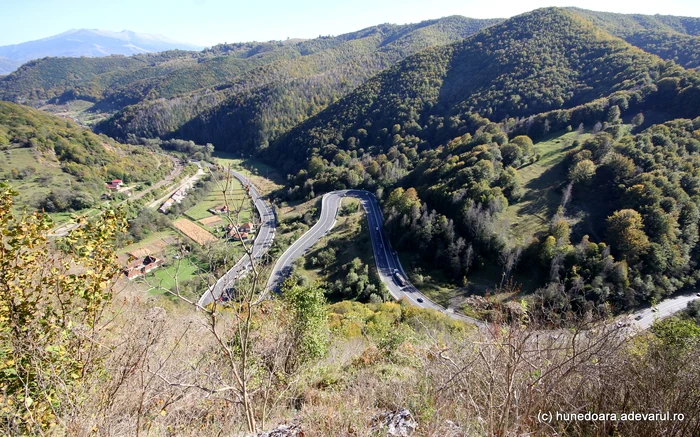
558	416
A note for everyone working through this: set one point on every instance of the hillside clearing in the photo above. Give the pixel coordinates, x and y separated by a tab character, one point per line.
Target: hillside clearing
165	278
265	178
38	174
542	182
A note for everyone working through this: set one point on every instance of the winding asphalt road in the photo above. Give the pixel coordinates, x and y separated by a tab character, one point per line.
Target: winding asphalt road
263	240
643	319
385	258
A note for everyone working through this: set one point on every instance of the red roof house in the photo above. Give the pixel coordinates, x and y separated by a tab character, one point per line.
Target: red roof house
115	184
236	235
220	209
142	266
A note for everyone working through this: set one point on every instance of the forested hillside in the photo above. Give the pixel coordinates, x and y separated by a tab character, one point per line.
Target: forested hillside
115	81
444	134
258	88
627	24
639	194
672	38
266	101
59	166
538	178
274	98
679	48
541	61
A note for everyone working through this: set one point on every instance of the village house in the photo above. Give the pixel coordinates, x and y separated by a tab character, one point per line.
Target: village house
142	266
166	205
114	185
238	236
219	209
243	231
179	195
231	232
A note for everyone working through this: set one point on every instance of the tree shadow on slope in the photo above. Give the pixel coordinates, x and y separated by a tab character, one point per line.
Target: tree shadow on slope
542	193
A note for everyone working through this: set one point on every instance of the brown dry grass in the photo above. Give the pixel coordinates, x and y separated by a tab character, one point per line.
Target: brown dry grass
476	384
264	185
297	208
210	220
153	248
197	234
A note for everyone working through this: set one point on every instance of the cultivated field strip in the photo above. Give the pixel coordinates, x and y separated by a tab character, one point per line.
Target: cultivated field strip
196	233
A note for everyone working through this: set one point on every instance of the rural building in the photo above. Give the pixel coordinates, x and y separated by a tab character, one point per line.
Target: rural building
166	205
142	266
114	185
175	198
179	195
244	230
220	209
238	236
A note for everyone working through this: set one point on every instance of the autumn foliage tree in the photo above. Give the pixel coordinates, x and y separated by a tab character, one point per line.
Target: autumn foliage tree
52	304
625	231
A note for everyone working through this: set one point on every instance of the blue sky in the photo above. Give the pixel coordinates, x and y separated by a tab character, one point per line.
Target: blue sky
207	22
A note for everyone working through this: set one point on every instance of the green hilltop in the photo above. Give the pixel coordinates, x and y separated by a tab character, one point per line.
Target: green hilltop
259	105
452	138
545	60
57	165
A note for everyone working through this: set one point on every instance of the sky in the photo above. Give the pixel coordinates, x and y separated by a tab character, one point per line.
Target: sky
208	22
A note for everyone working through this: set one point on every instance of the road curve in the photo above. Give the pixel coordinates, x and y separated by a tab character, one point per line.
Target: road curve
384	257
643	319
263	240
386	261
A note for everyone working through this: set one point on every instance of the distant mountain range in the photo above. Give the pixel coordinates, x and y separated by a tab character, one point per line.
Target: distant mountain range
8	65
87	42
